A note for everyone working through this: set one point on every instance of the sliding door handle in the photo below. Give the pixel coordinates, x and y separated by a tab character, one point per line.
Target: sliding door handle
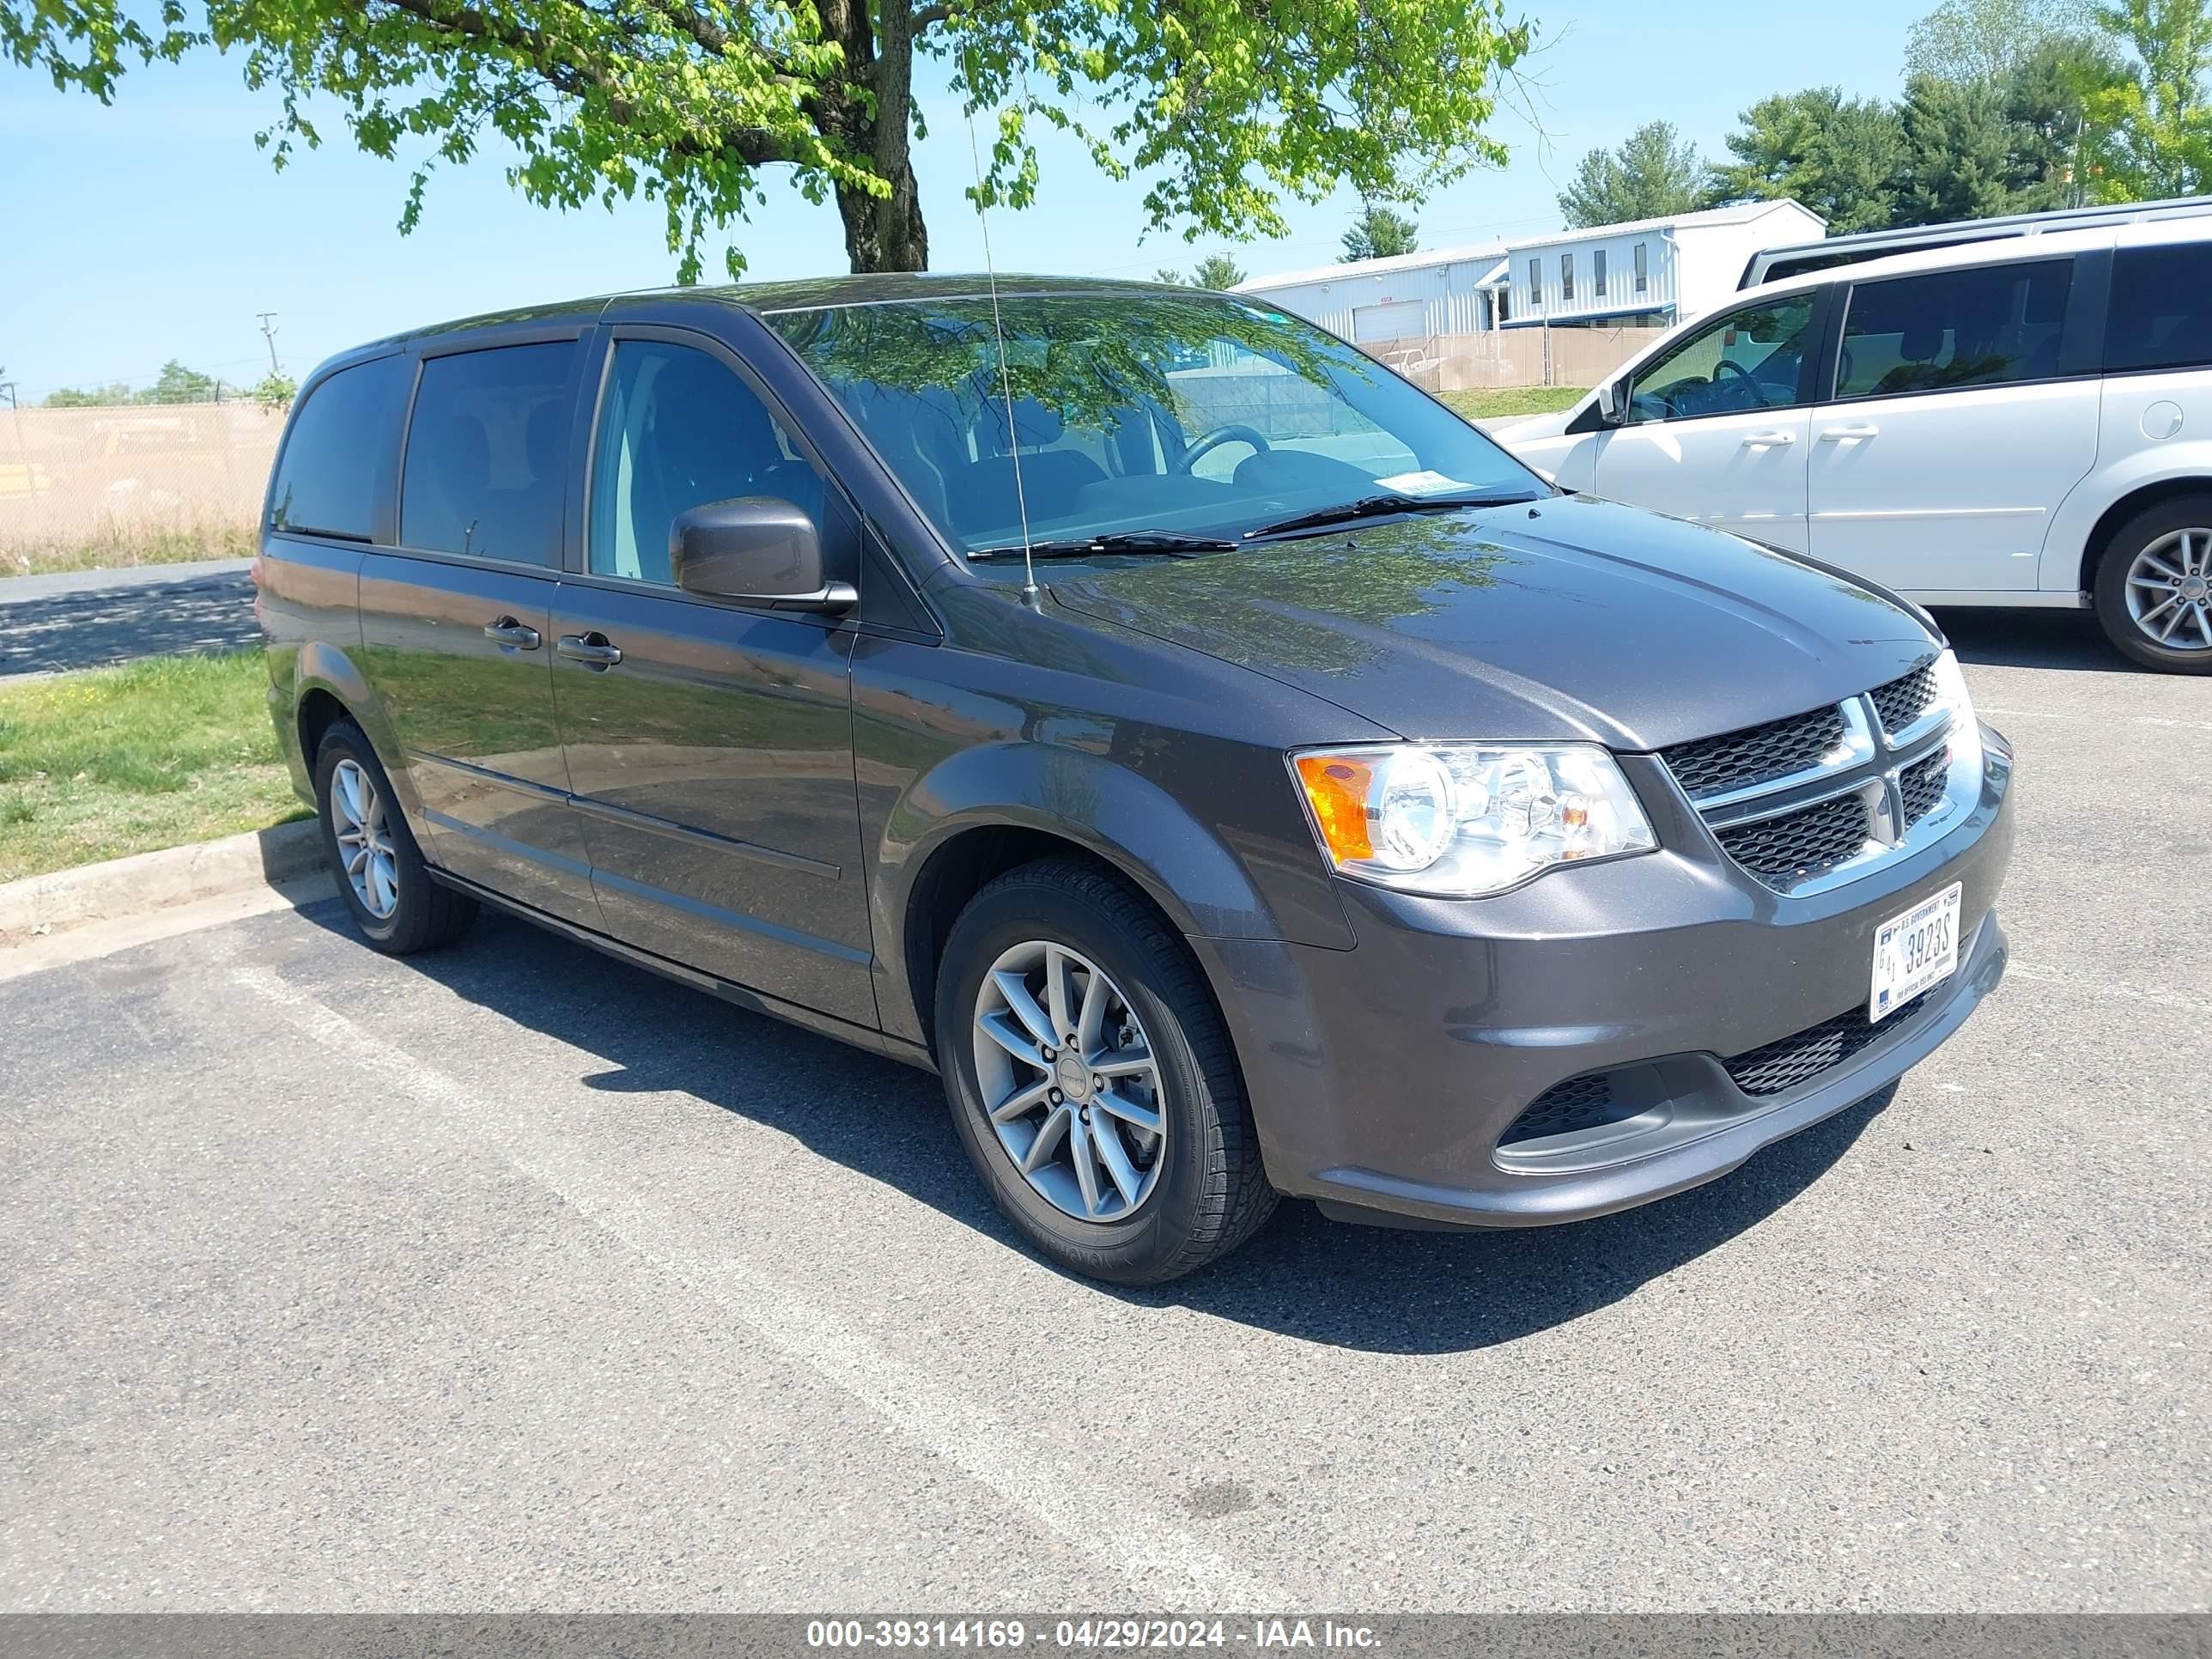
1844	434
1769	440
594	649
507	631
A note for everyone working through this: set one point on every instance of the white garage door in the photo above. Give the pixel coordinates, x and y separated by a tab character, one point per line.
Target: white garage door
1396	319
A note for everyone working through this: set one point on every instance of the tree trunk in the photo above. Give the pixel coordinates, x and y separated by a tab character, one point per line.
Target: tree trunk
885	234
881	233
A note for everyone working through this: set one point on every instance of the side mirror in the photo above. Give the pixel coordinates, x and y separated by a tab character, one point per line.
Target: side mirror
760	549
1608	404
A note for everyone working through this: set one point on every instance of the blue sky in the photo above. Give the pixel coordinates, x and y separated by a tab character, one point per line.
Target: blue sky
153	228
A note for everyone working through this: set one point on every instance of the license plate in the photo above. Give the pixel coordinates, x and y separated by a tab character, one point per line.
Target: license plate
1914	951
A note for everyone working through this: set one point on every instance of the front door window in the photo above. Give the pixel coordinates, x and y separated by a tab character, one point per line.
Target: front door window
679	430
1750	359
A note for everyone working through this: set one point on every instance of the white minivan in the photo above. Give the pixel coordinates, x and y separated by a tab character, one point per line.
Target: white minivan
2026	422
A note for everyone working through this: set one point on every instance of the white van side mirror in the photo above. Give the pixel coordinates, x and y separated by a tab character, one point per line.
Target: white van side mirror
1608	404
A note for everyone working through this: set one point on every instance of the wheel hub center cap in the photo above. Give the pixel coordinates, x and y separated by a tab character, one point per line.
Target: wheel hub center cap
2195	588
1074	1075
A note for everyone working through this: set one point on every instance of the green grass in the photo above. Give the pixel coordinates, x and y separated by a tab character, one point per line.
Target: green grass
114	761
122	546
1513	400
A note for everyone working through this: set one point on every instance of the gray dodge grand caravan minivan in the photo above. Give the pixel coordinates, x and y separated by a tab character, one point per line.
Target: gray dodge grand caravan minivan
1339	811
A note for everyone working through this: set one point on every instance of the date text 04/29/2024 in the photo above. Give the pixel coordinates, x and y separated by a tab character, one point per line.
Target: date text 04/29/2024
1088	1634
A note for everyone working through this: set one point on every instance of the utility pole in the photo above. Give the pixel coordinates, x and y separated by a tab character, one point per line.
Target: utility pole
269	333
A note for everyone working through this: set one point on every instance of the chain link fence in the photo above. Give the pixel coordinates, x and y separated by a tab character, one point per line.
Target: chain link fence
137	483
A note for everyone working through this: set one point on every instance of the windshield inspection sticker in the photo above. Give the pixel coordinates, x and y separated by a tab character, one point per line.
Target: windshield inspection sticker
1423	482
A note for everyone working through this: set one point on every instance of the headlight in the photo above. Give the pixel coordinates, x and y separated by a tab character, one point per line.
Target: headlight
1965	744
1458	820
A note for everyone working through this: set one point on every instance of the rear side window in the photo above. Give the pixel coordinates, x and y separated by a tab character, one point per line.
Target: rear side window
1984	325
326	479
485	454
2161	317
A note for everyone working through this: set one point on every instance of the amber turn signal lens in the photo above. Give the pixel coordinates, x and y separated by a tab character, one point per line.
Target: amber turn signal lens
1336	789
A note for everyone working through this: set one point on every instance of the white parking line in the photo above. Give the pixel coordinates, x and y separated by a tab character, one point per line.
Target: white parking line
1155	1555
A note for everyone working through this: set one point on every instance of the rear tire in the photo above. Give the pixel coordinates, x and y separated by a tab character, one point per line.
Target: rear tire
380	873
2156	570
1164	1202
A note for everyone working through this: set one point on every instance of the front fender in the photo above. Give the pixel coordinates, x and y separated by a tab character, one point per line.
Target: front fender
1086	798
1094	803
2059	569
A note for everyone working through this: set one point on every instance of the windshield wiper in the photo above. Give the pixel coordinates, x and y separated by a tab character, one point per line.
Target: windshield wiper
1376	507
1170	543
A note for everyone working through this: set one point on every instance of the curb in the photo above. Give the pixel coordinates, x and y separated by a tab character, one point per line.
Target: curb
154	881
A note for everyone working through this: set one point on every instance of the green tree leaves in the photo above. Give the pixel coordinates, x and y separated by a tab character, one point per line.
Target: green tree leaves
1379	233
1839	156
1652	175
1225	108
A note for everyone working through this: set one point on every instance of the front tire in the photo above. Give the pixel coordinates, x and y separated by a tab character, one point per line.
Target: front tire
1128	1154
2153	594
381	873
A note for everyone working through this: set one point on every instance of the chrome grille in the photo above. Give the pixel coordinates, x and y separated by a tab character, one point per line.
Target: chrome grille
1920	786
1811	800
1794	846
1757	753
1906	698
1800	1057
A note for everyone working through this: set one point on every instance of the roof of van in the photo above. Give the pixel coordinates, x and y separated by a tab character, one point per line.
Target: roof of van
811	294
2003	249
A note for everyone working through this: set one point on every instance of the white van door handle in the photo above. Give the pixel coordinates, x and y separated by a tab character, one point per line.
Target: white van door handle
1769	439
1841	434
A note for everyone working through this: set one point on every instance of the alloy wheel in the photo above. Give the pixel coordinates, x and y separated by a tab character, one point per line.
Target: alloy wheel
1069	1082
364	838
2169	591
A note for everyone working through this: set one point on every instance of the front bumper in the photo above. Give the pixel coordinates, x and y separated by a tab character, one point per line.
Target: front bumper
1382	1078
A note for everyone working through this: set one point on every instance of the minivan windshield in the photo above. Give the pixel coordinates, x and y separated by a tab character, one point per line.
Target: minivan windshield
1185	416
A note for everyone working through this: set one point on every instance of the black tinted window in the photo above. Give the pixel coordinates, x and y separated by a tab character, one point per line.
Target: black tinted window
484	452
1981	326
338	441
2162	312
677	430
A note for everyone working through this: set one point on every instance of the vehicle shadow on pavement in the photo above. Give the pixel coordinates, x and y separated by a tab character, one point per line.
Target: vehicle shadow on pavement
1376	1289
2032	639
86	630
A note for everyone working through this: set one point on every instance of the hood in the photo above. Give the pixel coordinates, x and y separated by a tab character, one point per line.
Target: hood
1560	619
1530	426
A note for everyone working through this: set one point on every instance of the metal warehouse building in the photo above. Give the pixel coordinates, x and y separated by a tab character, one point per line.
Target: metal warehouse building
1409	296
1652	270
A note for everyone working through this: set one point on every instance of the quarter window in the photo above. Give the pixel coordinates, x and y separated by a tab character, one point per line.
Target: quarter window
2159	317
485	453
677	430
1981	325
1749	358
326	480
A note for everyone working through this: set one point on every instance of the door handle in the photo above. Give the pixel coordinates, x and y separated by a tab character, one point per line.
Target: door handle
1769	439
1838	435
594	649
507	631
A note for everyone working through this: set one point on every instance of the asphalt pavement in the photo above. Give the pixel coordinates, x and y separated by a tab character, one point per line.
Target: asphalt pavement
512	1277
87	619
